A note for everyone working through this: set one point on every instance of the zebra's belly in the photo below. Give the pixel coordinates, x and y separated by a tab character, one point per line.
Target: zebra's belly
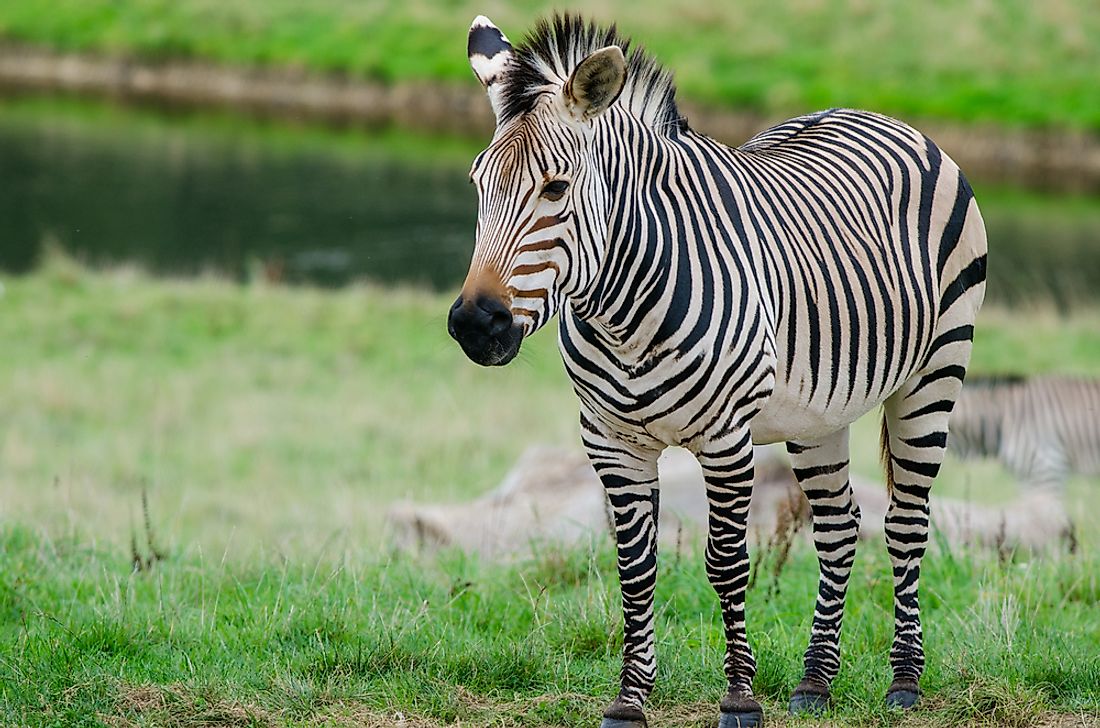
787	415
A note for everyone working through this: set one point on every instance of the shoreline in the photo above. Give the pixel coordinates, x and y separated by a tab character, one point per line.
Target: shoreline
1037	159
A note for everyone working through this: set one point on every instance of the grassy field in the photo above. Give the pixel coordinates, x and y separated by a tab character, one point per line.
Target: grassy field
310	642
270	427
1014	62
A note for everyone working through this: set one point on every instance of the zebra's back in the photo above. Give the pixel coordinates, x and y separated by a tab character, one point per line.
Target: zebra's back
866	238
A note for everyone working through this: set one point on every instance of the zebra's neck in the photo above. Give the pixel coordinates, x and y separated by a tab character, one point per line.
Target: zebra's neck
643	286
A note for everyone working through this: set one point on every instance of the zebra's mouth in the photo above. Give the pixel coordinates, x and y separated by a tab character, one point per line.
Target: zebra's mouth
493	351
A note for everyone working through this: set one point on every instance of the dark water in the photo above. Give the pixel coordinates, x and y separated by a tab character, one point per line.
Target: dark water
193	194
232	197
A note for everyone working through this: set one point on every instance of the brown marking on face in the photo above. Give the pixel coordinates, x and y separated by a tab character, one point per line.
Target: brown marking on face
486	282
539	245
521	270
506	168
544	222
532	293
513	152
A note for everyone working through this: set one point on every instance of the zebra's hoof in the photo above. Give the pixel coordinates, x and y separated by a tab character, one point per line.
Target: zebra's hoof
809	697
622	723
902	694
620	715
808	703
750	719
740	711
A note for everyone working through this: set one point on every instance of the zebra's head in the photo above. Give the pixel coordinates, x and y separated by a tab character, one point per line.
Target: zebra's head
542	201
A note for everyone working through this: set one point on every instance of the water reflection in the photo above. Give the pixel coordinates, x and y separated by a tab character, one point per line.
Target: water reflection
181	196
184	198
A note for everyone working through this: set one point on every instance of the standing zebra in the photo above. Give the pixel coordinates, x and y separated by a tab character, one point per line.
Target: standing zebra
711	298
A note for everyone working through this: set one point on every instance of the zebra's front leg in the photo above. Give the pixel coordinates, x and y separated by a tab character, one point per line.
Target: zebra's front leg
821	468
629	476
728	472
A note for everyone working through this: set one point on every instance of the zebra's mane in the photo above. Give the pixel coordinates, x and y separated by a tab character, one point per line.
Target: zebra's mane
546	57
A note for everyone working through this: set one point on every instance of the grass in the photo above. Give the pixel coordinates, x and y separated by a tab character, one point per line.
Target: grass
215	398
86	640
1015	62
321	405
270	427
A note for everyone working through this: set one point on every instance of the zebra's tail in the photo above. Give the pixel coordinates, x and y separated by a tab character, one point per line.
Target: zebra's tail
884	454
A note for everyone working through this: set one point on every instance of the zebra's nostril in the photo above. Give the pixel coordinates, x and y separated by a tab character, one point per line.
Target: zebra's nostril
501	322
458	320
499	316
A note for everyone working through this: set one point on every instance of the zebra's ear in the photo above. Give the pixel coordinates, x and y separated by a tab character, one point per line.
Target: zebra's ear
490	53
595	83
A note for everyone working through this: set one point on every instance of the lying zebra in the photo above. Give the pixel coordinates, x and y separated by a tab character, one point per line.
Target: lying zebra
1043	429
552	498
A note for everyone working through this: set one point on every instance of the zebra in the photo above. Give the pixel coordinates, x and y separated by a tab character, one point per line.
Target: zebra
711	297
1043	428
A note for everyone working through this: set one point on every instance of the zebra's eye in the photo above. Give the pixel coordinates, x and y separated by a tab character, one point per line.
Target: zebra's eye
554	189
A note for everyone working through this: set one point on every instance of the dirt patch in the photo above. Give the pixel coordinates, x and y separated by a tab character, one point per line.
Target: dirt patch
1057	160
694	715
175	706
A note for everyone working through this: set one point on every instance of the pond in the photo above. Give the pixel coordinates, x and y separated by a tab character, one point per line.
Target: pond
182	193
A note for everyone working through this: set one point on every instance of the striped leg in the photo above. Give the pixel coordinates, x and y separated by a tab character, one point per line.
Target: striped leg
822	470
914	438
629	476
728	472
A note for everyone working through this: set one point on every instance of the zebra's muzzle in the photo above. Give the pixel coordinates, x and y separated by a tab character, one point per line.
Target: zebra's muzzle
484	328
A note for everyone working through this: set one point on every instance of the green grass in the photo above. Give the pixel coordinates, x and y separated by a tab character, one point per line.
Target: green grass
270	428
303	642
321	406
1013	62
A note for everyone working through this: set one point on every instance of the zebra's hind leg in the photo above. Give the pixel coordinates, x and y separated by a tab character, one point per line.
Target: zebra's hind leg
821	468
629	476
728	471
914	439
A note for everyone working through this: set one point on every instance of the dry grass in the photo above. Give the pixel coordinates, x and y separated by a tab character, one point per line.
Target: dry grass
177	707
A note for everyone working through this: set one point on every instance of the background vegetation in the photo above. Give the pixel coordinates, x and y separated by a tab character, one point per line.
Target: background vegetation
216	398
1012	62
